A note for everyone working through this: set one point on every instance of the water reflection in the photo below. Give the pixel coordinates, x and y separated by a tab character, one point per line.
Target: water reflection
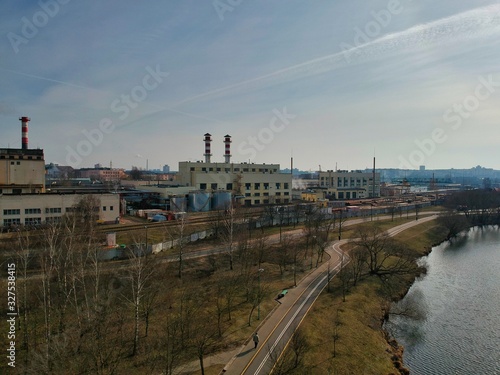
456	325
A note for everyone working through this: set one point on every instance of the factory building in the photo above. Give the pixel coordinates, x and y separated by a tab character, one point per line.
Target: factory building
22	170
251	184
350	184
23	200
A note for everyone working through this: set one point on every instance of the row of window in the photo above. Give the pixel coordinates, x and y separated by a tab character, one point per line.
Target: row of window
265	185
31	221
14	157
48	210
277	194
227	170
248	202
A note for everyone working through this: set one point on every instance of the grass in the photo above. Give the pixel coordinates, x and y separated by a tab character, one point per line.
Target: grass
361	347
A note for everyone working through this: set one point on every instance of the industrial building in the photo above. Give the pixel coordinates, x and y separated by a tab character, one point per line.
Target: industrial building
22	170
350	184
23	197
251	184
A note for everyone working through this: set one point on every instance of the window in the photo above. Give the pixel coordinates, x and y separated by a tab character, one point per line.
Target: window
12	212
257	194
257	201
256	186
7	222
192	169
18	163
52	220
203	169
229	186
248	186
266	186
29	211
213	186
287	193
111	208
218	169
104	208
278	185
17	191
53	210
32	220
203	186
285	185
11	163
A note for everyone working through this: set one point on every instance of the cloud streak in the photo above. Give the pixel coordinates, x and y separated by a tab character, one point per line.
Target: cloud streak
476	23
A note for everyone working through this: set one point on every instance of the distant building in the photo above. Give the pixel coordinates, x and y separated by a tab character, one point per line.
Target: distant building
350	185
101	174
56	171
166	168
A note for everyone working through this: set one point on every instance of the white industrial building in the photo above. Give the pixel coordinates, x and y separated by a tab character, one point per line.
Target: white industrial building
251	184
23	200
350	184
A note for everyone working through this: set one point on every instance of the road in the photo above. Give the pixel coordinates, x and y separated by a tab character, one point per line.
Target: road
278	327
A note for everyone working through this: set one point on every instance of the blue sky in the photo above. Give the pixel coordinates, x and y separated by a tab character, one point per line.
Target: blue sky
331	82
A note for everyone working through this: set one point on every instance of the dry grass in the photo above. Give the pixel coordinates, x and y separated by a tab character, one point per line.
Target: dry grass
361	347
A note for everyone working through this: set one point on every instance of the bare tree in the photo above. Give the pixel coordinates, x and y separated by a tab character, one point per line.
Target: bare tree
140	271
384	256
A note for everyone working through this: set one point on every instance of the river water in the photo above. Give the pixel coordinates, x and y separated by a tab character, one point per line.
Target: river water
457	328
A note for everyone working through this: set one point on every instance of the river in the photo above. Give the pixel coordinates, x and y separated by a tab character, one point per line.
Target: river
457	328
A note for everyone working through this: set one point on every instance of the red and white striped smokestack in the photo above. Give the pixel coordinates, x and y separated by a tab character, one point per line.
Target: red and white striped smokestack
207	139
24	136
227	147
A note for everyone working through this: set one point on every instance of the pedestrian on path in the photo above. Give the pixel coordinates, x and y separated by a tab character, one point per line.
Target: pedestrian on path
255	339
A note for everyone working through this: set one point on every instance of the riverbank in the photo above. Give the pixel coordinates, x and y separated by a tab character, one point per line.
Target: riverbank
453	334
349	338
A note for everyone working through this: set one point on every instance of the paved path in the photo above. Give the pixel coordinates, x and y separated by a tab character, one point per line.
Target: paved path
238	361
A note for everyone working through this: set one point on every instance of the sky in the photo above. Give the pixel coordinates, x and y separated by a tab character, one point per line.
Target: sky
331	83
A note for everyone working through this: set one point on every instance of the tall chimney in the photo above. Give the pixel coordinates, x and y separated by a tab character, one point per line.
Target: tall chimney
207	154
227	146
373	179
24	136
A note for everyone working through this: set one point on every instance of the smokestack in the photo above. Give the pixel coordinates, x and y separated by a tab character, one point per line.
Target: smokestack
207	154
373	179
24	136
227	146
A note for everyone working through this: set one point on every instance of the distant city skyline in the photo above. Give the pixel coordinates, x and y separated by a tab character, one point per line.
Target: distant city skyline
333	84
